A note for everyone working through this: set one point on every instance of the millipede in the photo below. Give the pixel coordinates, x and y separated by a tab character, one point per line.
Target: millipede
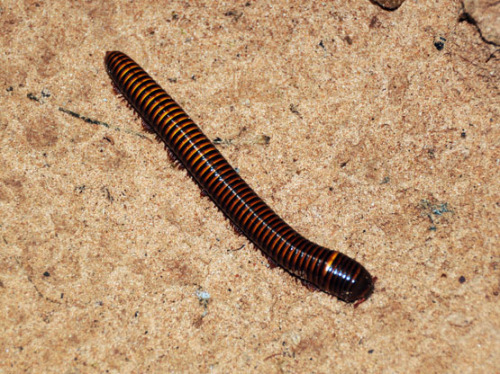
325	269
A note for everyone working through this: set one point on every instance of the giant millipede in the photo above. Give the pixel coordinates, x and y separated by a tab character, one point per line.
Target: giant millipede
328	270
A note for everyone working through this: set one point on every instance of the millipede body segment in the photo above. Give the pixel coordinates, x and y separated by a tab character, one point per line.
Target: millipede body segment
328	270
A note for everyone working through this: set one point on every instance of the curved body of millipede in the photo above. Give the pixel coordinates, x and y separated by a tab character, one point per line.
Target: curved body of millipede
328	270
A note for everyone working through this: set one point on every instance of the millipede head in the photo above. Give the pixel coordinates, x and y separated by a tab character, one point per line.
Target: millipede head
360	290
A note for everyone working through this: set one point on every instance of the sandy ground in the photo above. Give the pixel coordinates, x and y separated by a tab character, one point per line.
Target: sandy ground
383	143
